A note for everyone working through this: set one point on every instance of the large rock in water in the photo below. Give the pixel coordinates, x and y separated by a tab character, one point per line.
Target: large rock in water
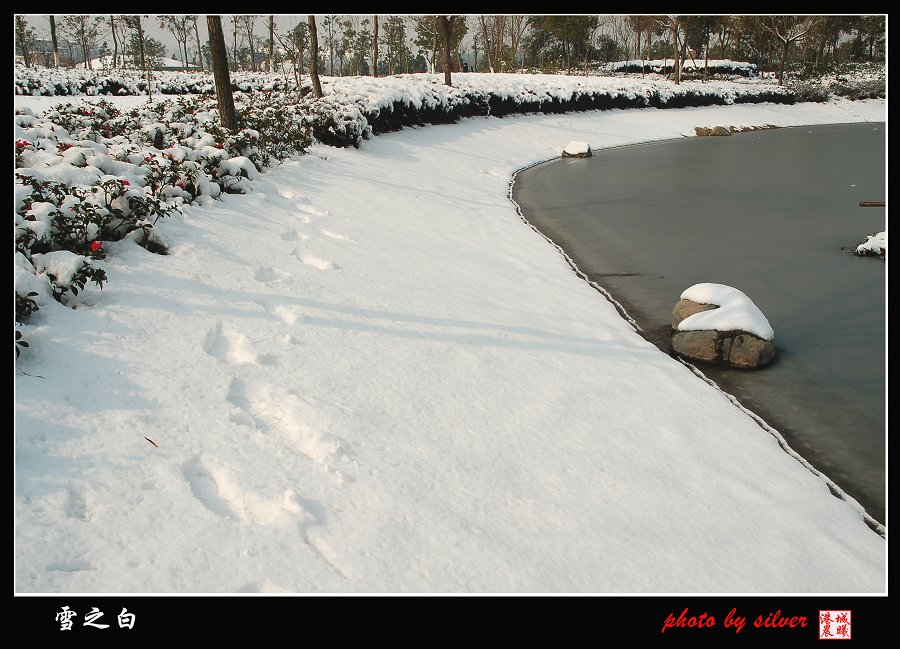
721	337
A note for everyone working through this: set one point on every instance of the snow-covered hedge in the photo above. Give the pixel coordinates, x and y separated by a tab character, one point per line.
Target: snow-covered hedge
355	105
716	67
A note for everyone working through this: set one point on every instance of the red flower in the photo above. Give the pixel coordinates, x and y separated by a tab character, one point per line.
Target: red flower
181	185
95	246
21	144
218	145
148	158
125	182
253	139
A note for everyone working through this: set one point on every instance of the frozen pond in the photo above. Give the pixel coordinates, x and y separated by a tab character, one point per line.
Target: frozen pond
768	213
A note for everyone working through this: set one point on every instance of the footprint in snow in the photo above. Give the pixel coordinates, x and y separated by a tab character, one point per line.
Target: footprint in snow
232	347
269	275
292	235
313	261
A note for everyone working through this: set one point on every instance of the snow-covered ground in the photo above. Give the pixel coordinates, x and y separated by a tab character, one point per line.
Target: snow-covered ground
368	375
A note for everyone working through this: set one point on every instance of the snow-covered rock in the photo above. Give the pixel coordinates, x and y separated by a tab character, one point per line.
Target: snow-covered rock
720	324
576	149
875	245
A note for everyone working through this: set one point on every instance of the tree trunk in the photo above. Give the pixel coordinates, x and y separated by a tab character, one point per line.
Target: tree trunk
199	46
271	43
445	28
676	70
112	29
375	51
54	41
784	48
314	56
225	99
706	58
140	31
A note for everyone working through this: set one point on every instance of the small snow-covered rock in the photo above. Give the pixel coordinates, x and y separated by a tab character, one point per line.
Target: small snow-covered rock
875	245
576	149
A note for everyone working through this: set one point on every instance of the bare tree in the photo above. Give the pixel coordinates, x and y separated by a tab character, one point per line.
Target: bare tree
246	23
113	29
673	24
25	39
225	99
492	33
133	23
84	30
180	27
517	26
314	56
787	30
196	30
294	43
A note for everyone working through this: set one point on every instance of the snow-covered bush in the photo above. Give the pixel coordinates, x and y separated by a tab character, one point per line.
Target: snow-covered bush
86	173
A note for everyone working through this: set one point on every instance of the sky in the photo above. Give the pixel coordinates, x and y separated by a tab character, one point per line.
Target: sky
368	374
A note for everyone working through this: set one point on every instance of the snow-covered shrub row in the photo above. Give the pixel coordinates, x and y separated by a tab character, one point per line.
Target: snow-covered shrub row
716	67
408	100
50	82
87	173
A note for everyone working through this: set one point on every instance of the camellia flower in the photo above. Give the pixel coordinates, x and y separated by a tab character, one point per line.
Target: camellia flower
95	246
125	182
181	185
22	143
218	145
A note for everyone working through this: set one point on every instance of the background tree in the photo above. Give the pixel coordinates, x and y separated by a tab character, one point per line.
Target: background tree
428	36
447	30
294	42
330	24
83	30
786	30
394	39
493	29
225	99
55	43
314	56
375	48
25	39
246	24
113	31
180	27
642	25
199	45
517	27
270	24
138	41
